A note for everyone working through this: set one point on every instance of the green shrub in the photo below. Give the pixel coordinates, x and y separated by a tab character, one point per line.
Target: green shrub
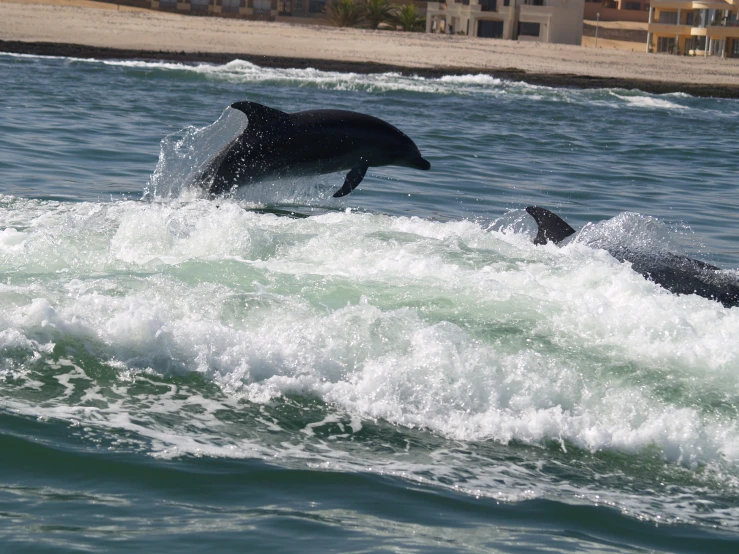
346	13
376	12
408	18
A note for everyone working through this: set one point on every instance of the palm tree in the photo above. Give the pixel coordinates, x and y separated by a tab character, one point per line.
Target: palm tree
377	11
408	18
346	13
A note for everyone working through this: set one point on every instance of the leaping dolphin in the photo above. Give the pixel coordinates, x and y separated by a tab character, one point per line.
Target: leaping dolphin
678	274
278	144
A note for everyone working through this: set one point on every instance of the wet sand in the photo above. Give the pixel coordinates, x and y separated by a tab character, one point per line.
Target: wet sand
83	28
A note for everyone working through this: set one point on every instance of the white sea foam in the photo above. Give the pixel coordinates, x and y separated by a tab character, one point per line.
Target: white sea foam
11	239
641	100
246	72
241	71
478	79
473	334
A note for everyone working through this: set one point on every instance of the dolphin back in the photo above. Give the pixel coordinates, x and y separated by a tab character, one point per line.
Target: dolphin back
678	274
552	228
258	115
684	275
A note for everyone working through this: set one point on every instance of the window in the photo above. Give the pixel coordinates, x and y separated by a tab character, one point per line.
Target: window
230	6
262	6
632	6
488	5
670	18
695	44
528	29
489	29
666	45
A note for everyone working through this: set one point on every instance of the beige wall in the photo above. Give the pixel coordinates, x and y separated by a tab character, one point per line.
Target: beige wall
565	22
560	21
613	14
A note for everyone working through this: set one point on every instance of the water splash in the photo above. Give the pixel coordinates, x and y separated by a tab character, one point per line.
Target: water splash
184	155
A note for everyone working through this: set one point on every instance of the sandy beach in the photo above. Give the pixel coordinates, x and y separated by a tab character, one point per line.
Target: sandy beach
92	29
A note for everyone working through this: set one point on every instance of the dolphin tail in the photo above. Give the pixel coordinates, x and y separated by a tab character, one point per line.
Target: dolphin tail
353	178
551	226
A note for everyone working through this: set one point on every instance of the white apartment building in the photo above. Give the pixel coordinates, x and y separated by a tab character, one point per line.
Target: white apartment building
558	21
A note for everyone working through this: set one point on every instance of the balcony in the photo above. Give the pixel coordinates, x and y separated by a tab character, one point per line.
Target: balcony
694	18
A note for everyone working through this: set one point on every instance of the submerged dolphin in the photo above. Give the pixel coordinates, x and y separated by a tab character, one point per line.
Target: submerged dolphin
278	144
678	274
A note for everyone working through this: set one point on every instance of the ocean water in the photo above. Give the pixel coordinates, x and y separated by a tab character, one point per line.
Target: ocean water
400	370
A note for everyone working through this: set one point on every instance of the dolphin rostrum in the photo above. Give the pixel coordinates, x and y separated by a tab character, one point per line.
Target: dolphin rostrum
277	144
676	273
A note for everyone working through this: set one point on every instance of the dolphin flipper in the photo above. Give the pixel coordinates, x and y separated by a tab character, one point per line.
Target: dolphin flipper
551	226
353	178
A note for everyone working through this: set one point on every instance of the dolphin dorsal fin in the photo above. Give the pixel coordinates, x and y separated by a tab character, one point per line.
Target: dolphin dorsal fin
259	115
551	226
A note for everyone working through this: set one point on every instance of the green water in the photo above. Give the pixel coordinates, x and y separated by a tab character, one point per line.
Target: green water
403	370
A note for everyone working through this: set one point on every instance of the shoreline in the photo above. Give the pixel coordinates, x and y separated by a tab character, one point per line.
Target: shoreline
558	80
90	29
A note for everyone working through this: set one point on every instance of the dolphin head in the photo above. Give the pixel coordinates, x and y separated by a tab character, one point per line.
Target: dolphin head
416	162
408	155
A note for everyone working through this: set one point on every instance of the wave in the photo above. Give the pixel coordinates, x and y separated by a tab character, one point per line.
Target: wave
650	101
240	71
379	83
474	334
246	72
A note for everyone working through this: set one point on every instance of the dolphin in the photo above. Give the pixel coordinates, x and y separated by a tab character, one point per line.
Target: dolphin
676	273
277	144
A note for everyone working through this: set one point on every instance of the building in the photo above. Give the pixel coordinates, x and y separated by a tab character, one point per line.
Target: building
617	10
694	28
639	5
636	5
244	8
557	21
